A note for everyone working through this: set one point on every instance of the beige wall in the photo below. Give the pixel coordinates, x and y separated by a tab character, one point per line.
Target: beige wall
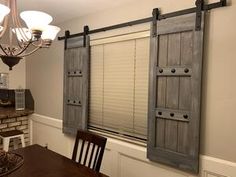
16	76
45	70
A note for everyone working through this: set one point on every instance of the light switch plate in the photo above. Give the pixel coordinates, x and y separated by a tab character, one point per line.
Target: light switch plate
4	80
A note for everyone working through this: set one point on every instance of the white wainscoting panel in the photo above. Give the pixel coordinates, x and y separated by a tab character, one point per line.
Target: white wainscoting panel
121	159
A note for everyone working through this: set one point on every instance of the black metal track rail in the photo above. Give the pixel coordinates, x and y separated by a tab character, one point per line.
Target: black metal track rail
206	7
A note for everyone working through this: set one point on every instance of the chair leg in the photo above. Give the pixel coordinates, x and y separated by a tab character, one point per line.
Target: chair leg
15	142
22	140
6	144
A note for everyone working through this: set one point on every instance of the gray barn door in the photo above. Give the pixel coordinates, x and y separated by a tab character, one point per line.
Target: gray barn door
175	92
76	79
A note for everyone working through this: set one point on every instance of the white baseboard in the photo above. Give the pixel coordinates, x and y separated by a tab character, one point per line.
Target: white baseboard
122	159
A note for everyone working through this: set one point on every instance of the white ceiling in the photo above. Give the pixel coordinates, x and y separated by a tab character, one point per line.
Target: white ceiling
63	10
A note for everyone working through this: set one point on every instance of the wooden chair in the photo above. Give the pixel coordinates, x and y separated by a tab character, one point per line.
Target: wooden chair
86	140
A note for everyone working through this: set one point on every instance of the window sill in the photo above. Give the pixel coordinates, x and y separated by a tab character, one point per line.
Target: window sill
120	137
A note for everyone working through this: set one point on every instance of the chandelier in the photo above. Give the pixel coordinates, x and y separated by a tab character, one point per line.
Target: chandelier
17	41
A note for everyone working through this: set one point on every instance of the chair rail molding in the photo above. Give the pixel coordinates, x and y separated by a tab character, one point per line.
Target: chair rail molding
121	159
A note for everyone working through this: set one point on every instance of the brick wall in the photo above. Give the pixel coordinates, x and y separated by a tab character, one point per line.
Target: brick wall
19	123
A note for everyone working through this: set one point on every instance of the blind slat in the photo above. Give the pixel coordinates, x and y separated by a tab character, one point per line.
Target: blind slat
119	87
141	86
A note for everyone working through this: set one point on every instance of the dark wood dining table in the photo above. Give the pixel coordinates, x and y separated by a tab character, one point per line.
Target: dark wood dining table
41	162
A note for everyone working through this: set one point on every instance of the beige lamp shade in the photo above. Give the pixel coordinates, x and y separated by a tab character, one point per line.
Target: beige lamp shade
36	20
4	10
20	36
50	32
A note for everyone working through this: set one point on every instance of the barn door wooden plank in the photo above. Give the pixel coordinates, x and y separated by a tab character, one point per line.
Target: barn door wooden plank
175	93
76	76
185	90
172	91
161	91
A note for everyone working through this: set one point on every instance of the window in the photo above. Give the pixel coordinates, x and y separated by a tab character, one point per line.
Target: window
119	84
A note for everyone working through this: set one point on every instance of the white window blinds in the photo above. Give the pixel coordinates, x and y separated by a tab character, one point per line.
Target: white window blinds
119	84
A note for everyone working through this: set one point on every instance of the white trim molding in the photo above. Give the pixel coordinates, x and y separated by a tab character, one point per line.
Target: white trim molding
121	159
56	123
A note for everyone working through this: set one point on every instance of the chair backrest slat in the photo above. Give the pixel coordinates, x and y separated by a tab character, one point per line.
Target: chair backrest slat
81	151
87	139
75	149
86	153
91	156
99	161
95	159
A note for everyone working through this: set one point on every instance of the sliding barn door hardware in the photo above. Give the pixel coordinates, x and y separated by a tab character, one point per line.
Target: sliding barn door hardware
200	6
86	32
155	14
67	35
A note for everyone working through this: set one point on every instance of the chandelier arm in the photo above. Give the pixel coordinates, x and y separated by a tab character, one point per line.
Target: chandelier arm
11	5
21	31
10	29
21	43
17	23
30	42
14	23
18	42
24	48
10	45
27	54
3	50
38	45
